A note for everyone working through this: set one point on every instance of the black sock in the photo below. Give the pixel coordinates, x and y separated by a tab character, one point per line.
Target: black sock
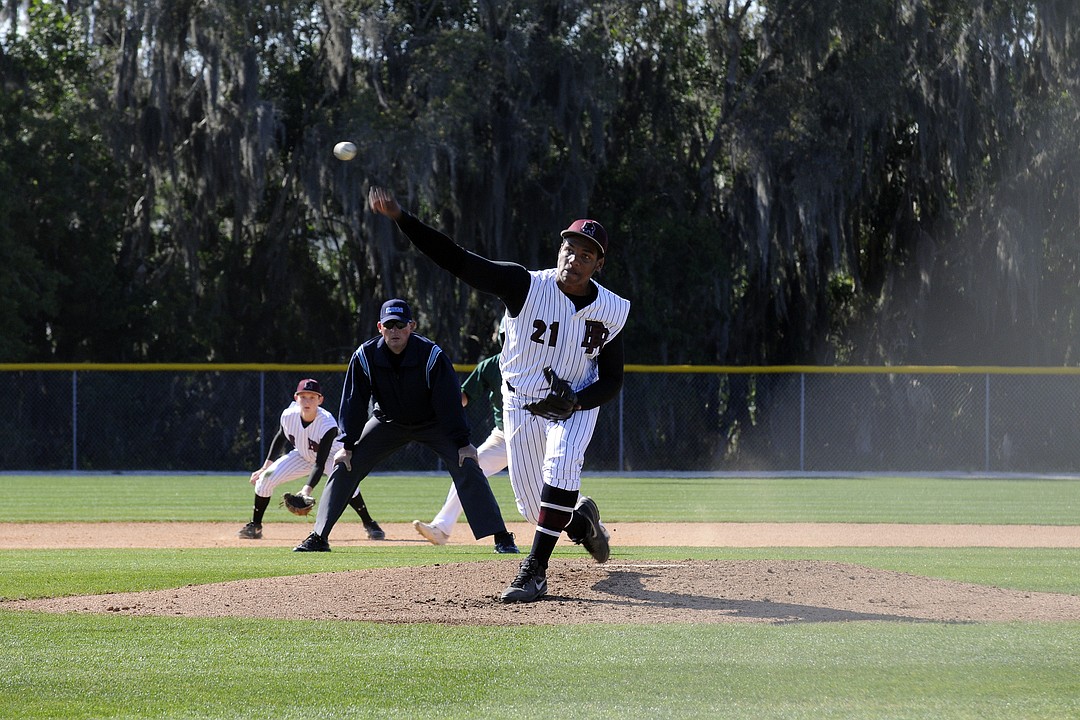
577	528
542	547
261	503
556	509
361	509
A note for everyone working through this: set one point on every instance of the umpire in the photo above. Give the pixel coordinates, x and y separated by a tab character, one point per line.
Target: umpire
417	398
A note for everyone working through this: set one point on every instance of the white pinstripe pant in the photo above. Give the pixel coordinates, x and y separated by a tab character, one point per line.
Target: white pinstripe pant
291	466
543	451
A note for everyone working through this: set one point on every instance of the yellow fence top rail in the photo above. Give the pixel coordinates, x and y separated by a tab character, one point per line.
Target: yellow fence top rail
858	369
466	367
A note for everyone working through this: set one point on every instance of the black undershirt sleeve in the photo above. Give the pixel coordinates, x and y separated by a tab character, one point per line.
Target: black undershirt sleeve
277	445
610	367
509	281
321	456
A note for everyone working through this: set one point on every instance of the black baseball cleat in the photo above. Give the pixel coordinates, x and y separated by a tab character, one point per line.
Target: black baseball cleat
313	543
374	532
530	583
505	545
597	536
251	531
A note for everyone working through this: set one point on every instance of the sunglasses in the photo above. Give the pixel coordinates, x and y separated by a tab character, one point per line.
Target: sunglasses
395	325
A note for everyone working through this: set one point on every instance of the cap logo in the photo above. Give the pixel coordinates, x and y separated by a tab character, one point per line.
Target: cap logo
395	308
589	228
309	385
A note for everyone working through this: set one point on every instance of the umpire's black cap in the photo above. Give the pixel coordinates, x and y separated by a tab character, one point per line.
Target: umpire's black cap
396	309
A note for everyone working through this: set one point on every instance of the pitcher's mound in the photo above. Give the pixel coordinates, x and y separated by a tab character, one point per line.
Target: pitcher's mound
580	591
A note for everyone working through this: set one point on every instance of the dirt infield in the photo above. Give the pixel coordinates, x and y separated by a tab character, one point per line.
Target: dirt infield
15	536
773	591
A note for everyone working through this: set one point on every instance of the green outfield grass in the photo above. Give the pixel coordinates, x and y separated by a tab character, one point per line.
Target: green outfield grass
393	498
113	667
85	666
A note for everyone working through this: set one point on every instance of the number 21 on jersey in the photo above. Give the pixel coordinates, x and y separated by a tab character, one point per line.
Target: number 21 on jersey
596	334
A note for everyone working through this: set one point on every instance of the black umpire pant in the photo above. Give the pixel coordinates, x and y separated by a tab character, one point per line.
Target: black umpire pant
378	441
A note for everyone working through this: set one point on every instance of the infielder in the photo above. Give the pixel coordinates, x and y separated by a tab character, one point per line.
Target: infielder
557	319
312	431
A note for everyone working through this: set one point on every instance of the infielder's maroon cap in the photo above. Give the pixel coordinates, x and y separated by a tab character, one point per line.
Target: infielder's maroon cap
590	229
309	385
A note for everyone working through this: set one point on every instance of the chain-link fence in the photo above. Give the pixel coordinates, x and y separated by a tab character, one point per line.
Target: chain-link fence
222	418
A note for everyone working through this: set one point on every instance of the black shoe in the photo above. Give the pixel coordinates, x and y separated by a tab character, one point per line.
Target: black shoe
505	545
597	536
313	543
374	532
530	583
251	531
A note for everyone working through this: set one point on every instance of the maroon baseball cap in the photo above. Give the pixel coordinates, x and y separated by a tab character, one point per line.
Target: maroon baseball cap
589	229
308	385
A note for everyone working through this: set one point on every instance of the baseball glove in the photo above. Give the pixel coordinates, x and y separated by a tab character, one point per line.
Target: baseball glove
561	400
298	504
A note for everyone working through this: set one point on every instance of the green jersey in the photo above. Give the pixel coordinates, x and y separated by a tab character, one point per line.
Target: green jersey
486	381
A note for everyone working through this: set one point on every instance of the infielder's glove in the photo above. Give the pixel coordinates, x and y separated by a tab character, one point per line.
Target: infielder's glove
298	504
561	400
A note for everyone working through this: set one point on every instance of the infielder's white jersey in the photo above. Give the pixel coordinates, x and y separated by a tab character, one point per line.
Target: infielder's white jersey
550	331
300	461
306	439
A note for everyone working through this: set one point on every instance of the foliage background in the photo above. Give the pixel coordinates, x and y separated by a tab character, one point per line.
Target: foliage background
785	181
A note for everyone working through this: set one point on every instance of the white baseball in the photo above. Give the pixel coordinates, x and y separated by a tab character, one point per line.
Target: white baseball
345	151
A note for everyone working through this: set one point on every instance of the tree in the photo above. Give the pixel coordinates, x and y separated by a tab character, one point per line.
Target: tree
59	210
783	180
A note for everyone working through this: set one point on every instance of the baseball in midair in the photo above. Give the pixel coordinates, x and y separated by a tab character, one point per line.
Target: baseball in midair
345	151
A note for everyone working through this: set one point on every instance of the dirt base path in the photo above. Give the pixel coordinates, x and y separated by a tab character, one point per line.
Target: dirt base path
694	591
14	536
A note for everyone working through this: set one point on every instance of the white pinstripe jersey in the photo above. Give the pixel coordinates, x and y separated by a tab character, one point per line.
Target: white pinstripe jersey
306	439
549	330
